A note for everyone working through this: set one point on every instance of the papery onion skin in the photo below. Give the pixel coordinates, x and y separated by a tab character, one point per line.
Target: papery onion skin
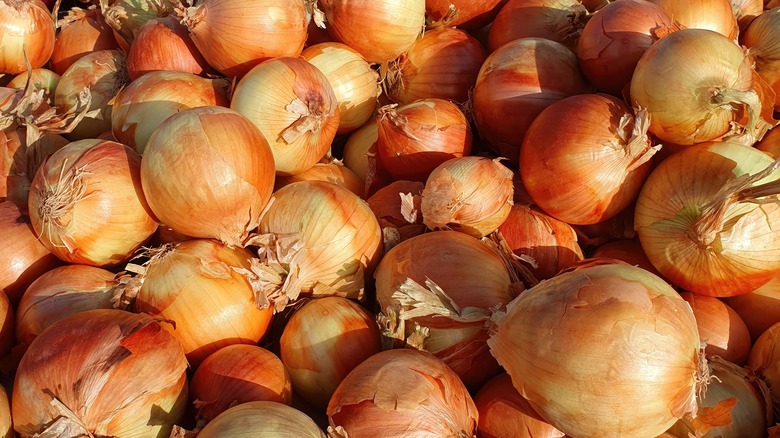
721	328
627	250
573	349
471	14
714	15
262	418
759	309
387	203
745	11
164	44
86	204
42	79
555	20
120	373
82	31
126	17
770	143
26	27
425	398
334	172
764	360
221	190
762	38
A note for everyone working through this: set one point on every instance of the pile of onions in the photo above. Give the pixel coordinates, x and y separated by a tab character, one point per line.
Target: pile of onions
416	138
397	208
261	418
402	393
164	44
701	215
329	170
770	144
546	244
82	31
198	286
101	373
615	38
759	309
354	82
724	332
468	14
299	117
223	147
516	82
141	107
26	27
714	15
380	30
238	374
762	38
615	326
86	205
443	284
503	412
468	194
443	63
126	17
556	20
322	342
706	94
236	35
592	171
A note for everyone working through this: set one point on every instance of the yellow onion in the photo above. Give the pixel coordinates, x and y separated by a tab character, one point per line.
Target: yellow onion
220	190
197	285
126	17
762	38
322	342
356	149
164	44
82	31
435	291
759	309
299	116
26	27
6	425
703	212
141	107
442	63
468	14
42	79
261	418
770	144
397	208
714	15
627	250
555	20
618	227
101	373
236	35
764	360
745	11
402	393
315	238
86	205
332	171
354	83
503	412
380	30
721	328
468	194
238	374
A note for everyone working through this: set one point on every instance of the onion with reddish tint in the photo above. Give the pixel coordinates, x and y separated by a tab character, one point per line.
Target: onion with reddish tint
556	20
82	31
6	424
164	44
762	38
332	171
759	309
397	208
627	250
469	14
27	32
721	328
770	144
714	15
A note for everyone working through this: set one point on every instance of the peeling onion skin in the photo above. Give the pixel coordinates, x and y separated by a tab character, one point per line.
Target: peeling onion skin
770	144
764	360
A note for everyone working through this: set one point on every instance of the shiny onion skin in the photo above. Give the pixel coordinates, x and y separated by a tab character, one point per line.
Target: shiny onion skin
770	144
26	26
721	328
164	44
714	15
627	250
607	350
86	205
700	228
397	208
263	419
127	16
357	148
516	83
762	38
221	189
333	172
759	309
470	14
104	373
82	31
403	393
236	35
555	20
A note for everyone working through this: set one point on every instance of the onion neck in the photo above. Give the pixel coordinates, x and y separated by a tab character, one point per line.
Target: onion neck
638	147
445	21
311	116
729	97
578	16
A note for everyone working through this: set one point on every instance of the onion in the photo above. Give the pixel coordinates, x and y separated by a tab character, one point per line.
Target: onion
468	194
703	212
759	309
380	30
764	360
402	393
503	412
556	20
261	418
299	117
545	243
435	291
714	15
443	63
332	171
238	374
82	31
516	83
354	83
356	149
618	227
196	284
26	28
770	144
322	342
593	170
164	44
221	191
721	328
6	425
101	373
6	327
614	39
126	17
141	107
397	208
627	250
607	350
42	79
236	35
468	14
745	11
762	38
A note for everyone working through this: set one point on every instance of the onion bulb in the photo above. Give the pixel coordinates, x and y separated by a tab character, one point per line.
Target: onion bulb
101	373
759	309
721	328
221	189
762	39
329	170
164	44
402	393
86	205
714	15
261	418
703	212
322	342
764	360
465	14
607	350
770	144
745	11
555	20
6	425
356	149
397	208
126	17
82	31
627	250
26	27
42	79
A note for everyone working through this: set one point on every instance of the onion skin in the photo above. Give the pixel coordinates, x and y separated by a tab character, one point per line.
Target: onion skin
764	360
164	44
471	14
6	425
762	38
555	20
745	11
82	31
356	149
721	328
714	15
770	144
627	250
6	326
759	309
387	203
26	26
334	172
262	418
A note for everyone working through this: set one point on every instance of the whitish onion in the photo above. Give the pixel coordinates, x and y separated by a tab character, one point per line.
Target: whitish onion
703	212
221	190
762	38
714	15
82	31
26	27
262	419
126	17
721	328
299	116
607	350
759	309
101	373
556	20
770	144
402	393
468	14
332	171
397	208
164	44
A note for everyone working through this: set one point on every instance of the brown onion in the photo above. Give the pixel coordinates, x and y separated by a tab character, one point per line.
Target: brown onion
714	15
770	143
332	171
468	14
262	418
721	328
397	208
26	27
556	20
82	31
164	44
762	38
759	309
